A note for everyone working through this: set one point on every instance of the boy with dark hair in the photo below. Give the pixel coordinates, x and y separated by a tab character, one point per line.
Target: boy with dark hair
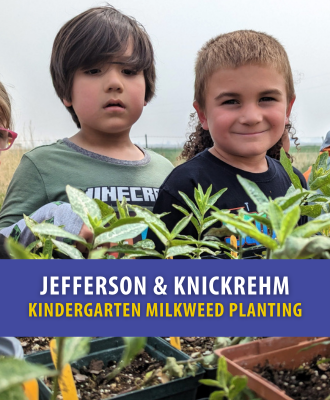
102	66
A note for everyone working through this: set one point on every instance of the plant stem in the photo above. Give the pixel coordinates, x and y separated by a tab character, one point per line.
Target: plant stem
268	249
240	251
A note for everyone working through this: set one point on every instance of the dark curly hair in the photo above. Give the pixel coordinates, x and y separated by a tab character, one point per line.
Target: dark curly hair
201	139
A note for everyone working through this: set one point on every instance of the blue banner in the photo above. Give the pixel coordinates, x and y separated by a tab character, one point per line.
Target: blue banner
164	298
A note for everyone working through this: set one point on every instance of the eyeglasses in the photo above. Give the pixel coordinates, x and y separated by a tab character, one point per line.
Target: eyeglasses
7	138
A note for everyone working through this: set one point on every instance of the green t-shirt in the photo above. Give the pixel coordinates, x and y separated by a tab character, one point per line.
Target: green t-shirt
44	172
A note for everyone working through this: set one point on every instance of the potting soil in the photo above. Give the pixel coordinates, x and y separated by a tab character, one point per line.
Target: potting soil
311	381
91	383
32	344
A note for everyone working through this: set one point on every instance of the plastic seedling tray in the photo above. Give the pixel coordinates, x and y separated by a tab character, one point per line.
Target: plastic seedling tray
107	349
279	352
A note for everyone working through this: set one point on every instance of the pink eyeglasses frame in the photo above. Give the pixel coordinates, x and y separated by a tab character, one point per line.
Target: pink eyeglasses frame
14	136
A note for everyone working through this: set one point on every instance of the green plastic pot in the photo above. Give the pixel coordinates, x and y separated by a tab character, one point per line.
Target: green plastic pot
111	349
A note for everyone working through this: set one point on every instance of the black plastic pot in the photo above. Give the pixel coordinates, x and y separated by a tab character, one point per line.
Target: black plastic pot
111	349
203	391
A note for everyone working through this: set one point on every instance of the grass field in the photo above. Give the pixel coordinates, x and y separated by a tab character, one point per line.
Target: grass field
10	160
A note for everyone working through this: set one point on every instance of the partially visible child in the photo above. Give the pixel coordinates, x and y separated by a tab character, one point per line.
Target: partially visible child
325	146
244	94
58	213
102	66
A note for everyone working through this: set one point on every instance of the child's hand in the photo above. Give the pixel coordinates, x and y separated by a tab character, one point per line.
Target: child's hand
87	234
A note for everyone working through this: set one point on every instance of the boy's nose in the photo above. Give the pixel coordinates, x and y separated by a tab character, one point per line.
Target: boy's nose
113	82
251	115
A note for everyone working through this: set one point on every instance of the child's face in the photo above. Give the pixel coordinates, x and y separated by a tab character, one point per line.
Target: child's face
108	98
246	110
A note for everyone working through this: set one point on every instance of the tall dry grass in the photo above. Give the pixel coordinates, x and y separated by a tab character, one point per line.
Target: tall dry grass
9	162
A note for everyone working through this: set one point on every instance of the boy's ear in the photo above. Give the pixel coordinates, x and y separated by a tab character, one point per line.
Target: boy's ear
288	110
67	103
201	116
145	103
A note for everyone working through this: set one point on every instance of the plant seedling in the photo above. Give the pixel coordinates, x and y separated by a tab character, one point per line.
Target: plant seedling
231	387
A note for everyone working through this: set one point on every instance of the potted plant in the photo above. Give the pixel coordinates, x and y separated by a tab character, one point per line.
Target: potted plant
109	350
203	349
289	353
17	377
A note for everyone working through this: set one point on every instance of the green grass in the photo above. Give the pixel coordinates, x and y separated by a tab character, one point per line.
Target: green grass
303	158
169	153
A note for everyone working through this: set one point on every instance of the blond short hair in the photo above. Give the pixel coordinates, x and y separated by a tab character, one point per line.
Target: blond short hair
238	48
5	108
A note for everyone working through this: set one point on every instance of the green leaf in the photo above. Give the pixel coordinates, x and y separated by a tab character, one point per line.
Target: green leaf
318	198
217	395
295	248
14	372
198	196
209	221
82	205
183	210
129	249
180	226
259	218
222	372
47	229
154	223
133	346
239	384
253	191
120	233
192	206
106	210
97	254
247	227
162	235
180	242
179	251
212	200
36	244
324	343
126	221
69	250
286	164
288	223
276	215
30	223
145	244
313	210
173	369
320	181
14	393
312	227
16	250
210	382
74	348
294	199
48	249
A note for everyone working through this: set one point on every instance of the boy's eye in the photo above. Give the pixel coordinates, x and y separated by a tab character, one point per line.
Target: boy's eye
267	99
128	71
231	101
93	71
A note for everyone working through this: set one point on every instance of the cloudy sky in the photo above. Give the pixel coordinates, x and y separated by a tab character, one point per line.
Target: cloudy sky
178	28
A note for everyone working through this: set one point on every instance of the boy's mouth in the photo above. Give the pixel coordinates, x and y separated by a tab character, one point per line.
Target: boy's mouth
114	103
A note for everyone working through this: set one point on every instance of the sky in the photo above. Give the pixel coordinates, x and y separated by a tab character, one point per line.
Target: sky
178	29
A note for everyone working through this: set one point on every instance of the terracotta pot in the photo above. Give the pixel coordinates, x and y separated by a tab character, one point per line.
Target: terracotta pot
279	352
